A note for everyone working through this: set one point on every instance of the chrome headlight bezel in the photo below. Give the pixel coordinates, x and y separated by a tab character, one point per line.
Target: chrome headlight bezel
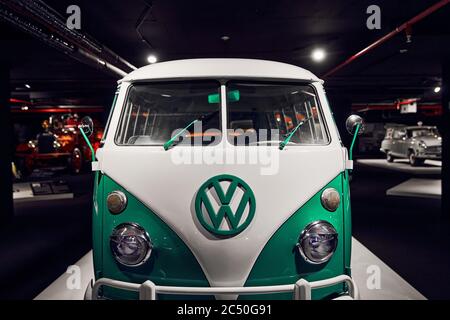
330	199
307	233
140	234
116	202
422	145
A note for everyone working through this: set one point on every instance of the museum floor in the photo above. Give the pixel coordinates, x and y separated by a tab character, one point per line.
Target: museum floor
406	233
47	236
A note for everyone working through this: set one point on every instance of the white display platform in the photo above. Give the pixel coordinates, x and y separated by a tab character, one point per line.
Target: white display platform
23	192
402	165
418	188
392	286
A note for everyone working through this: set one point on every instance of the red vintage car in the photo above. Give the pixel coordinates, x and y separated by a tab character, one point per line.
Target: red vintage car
60	144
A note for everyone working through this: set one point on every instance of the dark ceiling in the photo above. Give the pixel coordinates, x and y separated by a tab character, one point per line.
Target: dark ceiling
277	30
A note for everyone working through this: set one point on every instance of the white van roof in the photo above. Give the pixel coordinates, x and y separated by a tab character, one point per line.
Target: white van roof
220	68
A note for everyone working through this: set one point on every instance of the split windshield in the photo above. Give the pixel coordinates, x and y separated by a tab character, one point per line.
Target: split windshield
266	113
189	113
153	112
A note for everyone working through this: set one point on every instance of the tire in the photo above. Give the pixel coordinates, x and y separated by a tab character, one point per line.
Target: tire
389	157
76	161
413	161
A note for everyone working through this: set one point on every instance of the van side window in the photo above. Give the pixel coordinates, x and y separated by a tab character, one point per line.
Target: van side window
399	134
113	105
389	133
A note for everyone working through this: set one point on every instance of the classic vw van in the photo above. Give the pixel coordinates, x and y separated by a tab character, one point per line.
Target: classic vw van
222	179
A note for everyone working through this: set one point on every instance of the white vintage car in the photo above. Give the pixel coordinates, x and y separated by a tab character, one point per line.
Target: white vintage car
222	178
415	143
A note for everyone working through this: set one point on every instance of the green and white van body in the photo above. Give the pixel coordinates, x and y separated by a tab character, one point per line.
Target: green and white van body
255	256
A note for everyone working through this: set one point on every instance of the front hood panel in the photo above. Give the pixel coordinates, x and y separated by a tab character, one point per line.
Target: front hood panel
430	141
169	189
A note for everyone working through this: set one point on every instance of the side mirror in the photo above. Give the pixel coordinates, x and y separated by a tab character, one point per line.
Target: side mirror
352	123
87	128
355	126
87	125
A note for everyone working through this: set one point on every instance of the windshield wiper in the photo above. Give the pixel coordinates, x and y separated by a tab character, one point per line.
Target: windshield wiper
292	132
204	118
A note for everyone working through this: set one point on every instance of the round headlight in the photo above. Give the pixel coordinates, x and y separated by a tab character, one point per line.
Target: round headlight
423	145
130	244
330	199
318	242
116	202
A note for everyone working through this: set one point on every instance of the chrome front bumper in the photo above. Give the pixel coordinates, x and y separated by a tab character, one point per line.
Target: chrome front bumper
301	290
434	156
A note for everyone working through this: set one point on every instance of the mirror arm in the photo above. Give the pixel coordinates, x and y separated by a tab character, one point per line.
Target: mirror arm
88	143
355	135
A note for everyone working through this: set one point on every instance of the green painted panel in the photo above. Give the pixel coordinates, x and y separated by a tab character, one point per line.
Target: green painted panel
280	262
97	224
171	262
347	220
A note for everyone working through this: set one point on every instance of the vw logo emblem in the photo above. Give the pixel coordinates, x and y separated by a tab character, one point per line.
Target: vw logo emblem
225	205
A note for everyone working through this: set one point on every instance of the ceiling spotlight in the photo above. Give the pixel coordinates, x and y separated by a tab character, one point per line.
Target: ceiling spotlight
152	59
437	89
318	55
27	86
225	38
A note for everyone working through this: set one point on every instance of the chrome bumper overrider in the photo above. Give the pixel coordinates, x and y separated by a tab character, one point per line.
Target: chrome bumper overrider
301	290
